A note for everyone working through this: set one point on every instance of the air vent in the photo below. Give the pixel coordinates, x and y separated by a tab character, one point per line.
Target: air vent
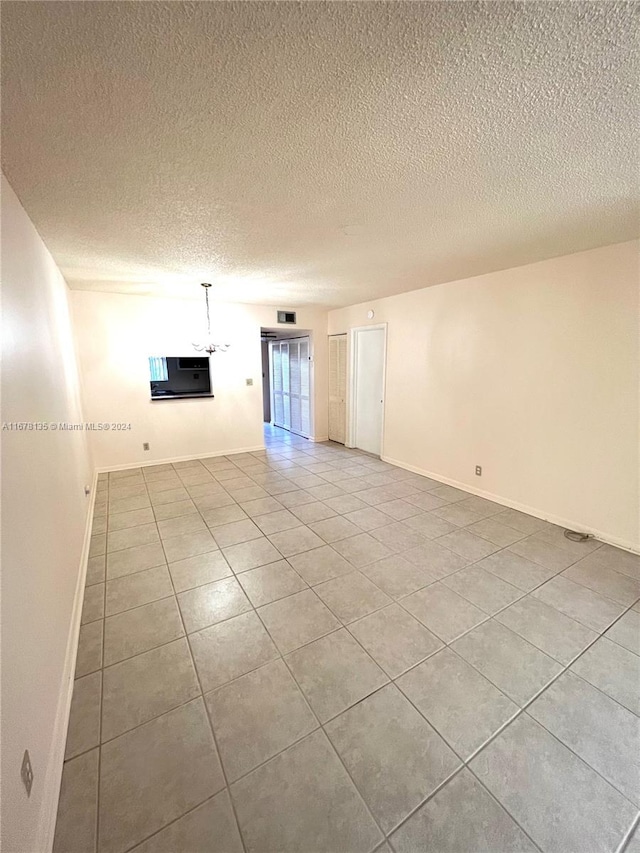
288	317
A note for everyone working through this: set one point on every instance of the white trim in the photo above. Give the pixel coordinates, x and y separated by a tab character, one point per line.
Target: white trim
169	460
321	438
570	524
53	780
351	391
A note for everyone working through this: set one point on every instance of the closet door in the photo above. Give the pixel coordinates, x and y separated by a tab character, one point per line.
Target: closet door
291	381
277	402
338	388
305	387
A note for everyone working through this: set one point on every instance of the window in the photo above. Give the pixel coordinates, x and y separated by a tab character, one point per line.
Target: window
158	368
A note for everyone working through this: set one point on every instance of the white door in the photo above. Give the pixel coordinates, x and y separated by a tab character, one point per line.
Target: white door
338	388
291	385
369	354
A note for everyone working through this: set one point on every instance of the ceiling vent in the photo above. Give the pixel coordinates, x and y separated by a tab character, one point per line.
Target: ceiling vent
288	317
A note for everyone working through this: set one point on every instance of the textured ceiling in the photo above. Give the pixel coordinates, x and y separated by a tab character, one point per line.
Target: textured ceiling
322	153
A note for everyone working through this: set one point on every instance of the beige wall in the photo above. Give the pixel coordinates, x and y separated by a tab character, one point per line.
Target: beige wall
44	512
116	334
532	373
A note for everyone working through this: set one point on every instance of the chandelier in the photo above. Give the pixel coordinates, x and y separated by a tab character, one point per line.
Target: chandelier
208	345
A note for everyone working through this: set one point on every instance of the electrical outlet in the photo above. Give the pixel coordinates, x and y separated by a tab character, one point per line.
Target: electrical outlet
478	470
249	381
145	445
26	771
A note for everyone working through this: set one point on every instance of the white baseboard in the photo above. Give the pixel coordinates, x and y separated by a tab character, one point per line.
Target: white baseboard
318	440
47	825
171	459
569	523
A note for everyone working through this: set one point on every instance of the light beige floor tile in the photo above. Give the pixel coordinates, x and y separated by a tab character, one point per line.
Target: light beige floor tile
467	544
188	545
334	673
495	532
76	825
89	657
130	537
368	519
154	774
235	533
460	516
137	589
124	520
98	545
135	631
511	663
397	576
626	632
486	825
257	716
579	602
231	649
199	570
394	639
516	570
285	786
250	555
546	555
275	522
174	510
180	525
555	797
314	511
84	719
362	549
429	525
460	702
399	509
297	619
145	686
393	755
290	542
169	496
614	670
488	592
128	504
599	730
521	521
443	611
320	564
546	628
260	506
96	570
435	559
352	596
270	583
212	603
605	581
223	515
121	563
209	828
93	605
398	537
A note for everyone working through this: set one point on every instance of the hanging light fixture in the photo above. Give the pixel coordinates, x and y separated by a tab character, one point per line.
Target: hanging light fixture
208	344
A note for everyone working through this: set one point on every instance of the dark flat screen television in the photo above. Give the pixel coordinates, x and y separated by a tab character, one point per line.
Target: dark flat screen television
177	377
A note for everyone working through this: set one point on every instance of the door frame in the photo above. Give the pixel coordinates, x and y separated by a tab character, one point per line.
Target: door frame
352	377
294	338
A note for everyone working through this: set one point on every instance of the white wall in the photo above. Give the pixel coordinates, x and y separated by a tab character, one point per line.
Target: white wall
533	373
117	333
44	512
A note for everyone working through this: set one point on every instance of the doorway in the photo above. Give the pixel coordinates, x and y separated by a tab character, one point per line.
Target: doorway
287	381
368	356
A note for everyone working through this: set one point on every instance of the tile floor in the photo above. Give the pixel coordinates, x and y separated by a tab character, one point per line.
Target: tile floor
306	649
